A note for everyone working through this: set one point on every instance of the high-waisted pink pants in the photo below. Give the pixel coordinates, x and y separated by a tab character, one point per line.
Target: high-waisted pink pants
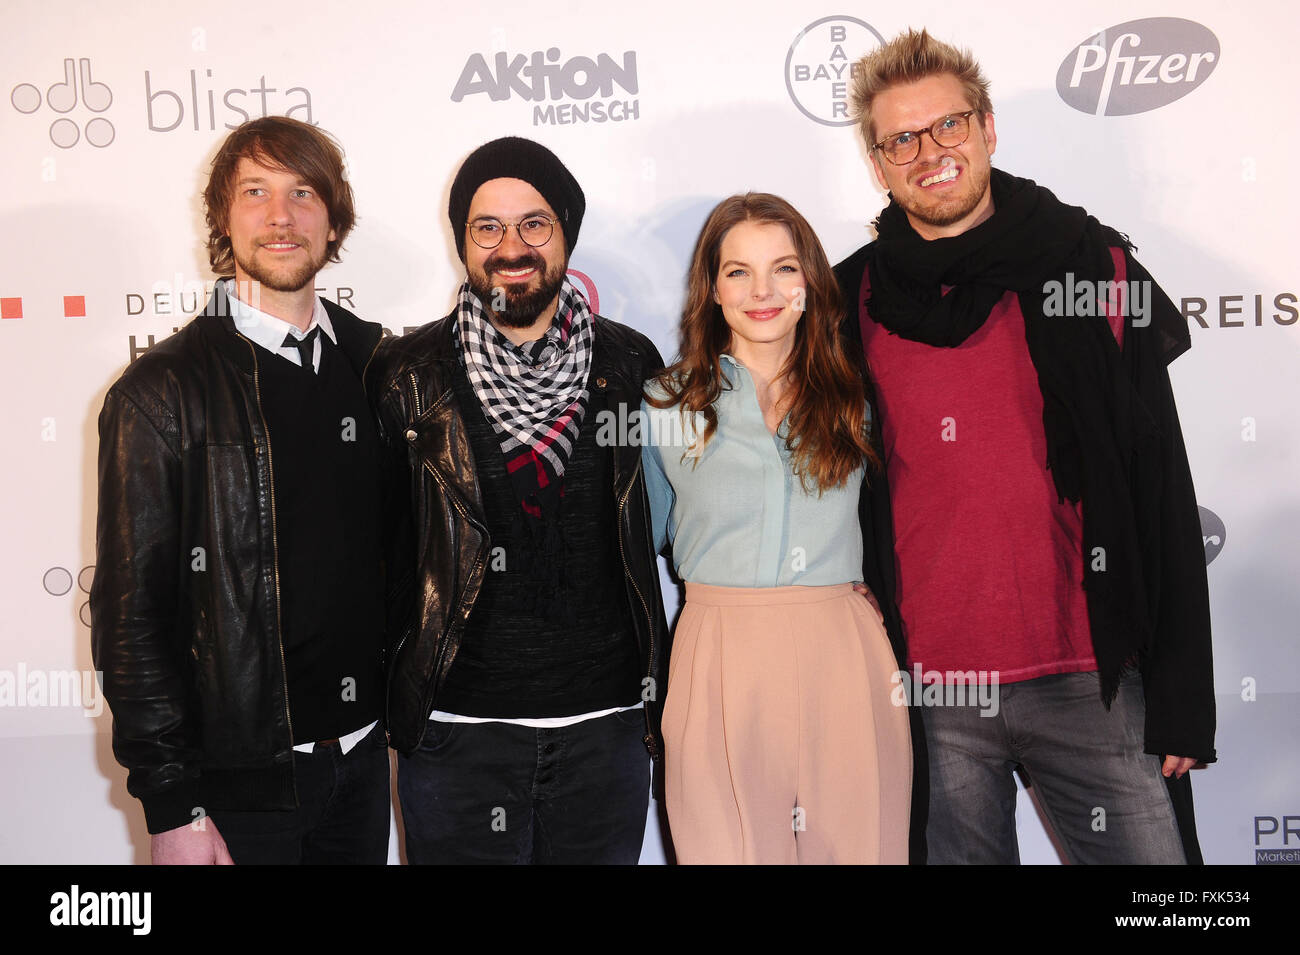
782	742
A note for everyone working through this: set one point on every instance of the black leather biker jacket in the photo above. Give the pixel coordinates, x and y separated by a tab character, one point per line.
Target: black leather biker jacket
441	548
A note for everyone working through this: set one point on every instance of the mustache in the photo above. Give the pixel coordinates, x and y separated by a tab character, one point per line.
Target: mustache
295	239
523	261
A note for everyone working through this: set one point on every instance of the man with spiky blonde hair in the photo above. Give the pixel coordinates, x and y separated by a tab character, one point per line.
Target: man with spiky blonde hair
1036	519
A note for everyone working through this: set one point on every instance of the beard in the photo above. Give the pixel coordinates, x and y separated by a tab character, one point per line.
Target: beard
283	277
946	211
517	305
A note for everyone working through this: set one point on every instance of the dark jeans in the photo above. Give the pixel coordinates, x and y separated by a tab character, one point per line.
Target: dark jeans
507	794
343	812
1104	797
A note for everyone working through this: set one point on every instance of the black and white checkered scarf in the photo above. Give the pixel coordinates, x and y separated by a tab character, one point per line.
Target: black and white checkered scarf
535	396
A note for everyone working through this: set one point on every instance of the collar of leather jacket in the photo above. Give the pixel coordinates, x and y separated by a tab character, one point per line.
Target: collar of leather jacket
356	338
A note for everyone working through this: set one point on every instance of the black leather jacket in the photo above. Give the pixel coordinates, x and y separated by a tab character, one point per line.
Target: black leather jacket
185	605
442	546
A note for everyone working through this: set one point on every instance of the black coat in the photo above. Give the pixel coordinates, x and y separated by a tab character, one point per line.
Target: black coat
1177	671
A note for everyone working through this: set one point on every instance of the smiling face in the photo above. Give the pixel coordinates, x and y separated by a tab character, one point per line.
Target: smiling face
528	277
760	286
945	189
278	226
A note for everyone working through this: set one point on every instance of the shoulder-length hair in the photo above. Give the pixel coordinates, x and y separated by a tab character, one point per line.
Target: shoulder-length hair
277	142
828	431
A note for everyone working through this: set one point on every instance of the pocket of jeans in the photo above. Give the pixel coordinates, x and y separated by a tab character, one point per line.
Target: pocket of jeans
633	717
438	735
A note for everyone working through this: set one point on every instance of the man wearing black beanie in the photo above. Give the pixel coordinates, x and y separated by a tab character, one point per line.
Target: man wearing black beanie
523	688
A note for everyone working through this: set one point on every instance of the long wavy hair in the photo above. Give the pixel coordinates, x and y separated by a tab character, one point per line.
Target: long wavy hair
828	432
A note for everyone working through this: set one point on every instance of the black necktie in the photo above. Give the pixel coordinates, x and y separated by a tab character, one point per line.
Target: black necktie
304	346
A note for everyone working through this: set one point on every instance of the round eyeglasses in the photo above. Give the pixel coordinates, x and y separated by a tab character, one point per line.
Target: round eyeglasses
487	232
948	131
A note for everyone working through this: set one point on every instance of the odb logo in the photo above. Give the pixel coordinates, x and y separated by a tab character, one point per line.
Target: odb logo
1137	66
58	581
1213	534
820	64
62	97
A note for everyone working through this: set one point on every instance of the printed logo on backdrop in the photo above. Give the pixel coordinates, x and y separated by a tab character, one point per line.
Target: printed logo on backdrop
199	102
820	64
1213	534
190	101
77	87
1137	66
58	581
574	89
582	281
1245	310
1273	835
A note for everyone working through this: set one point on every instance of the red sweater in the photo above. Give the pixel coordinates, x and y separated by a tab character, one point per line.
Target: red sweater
989	562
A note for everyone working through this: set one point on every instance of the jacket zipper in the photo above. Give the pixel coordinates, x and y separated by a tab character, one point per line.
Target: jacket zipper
455	622
366	367
650	629
415	401
275	542
415	394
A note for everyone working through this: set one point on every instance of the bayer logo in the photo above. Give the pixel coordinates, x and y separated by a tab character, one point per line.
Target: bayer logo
819	66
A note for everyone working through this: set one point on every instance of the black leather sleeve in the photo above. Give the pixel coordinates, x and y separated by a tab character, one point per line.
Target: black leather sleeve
143	660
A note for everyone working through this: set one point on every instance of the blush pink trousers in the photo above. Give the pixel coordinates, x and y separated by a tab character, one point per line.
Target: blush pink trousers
785	738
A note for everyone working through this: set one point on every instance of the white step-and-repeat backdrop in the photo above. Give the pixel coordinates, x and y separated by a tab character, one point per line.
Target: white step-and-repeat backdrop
1170	121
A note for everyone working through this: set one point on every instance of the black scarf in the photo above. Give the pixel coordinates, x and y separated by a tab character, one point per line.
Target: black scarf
1101	435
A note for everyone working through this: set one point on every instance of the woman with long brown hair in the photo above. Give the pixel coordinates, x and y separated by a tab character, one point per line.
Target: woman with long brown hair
782	741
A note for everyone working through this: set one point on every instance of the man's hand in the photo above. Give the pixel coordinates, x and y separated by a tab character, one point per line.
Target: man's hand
863	589
188	845
1177	765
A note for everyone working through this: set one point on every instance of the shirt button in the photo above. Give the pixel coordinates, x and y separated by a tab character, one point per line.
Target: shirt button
411	435
548	748
600	382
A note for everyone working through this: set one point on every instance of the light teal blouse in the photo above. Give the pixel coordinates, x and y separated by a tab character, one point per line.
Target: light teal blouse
740	517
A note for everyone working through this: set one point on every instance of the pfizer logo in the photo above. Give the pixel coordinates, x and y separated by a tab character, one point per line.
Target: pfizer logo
820	65
1137	66
1212	533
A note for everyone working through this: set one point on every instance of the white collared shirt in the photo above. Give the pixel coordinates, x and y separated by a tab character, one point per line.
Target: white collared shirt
269	331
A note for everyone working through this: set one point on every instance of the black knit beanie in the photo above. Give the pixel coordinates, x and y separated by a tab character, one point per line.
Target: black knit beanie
515	158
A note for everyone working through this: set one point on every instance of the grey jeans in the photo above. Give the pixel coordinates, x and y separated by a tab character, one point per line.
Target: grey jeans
1104	797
